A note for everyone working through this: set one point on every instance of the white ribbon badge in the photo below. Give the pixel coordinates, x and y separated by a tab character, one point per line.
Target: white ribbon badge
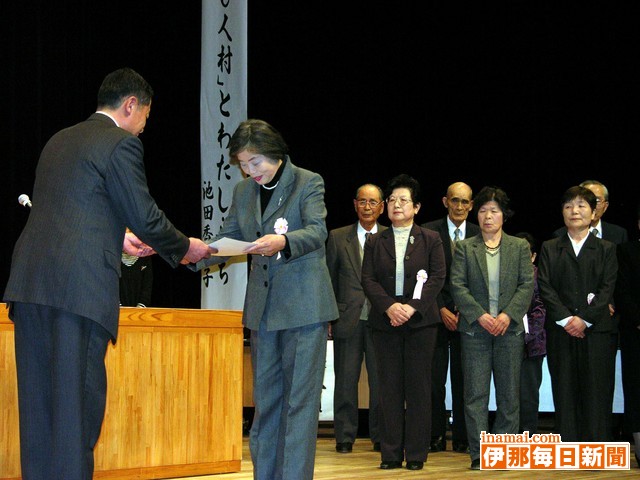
421	279
281	226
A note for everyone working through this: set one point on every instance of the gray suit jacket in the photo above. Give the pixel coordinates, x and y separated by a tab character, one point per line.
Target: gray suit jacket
90	184
294	290
345	267
470	281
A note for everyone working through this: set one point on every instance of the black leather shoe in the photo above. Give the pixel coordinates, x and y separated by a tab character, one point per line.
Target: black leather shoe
438	444
390	464
376	446
461	447
345	447
475	464
415	465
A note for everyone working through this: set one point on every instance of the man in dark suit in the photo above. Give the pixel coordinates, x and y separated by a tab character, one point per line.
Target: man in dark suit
352	338
628	303
63	287
447	355
600	228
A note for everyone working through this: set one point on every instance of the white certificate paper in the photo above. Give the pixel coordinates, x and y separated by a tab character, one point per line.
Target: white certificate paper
227	247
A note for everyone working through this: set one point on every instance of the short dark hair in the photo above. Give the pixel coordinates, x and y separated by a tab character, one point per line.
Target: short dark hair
579	192
123	83
496	194
404	181
257	136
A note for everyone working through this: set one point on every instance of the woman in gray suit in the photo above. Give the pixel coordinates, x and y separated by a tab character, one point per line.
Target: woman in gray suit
403	271
289	299
492	285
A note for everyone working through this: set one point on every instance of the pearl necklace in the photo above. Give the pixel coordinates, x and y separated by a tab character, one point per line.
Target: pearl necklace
271	188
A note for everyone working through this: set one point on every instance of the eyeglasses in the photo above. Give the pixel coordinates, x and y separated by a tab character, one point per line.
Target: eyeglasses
401	200
372	203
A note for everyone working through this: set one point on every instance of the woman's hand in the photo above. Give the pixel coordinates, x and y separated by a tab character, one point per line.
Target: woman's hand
399	313
487	322
575	327
502	323
268	245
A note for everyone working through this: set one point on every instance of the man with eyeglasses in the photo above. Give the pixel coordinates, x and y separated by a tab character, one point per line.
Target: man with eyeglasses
447	355
600	228
351	335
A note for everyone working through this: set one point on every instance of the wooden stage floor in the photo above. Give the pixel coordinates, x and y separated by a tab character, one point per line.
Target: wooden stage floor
363	463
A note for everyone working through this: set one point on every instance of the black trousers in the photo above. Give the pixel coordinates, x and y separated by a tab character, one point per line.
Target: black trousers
62	388
447	356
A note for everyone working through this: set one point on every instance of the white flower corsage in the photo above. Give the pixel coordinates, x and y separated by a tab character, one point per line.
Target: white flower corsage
421	279
281	226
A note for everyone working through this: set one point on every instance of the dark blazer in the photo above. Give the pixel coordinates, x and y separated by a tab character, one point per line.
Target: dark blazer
627	292
90	184
345	267
470	280
379	279
441	226
290	291
566	281
136	283
610	232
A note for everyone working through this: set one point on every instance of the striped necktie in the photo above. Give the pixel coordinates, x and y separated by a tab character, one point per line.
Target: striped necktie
456	237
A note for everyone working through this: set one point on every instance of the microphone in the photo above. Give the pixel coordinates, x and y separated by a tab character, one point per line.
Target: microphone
24	200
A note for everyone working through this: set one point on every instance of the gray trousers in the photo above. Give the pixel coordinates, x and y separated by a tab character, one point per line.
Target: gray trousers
288	369
484	355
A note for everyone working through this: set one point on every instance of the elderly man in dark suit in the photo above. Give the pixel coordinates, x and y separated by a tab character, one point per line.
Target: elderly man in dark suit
63	287
447	355
352	337
628	302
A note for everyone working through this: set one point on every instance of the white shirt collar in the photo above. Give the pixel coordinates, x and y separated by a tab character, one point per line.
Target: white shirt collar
362	231
452	229
108	115
577	246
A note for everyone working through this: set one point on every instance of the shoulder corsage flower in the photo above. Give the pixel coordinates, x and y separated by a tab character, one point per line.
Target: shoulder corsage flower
281	226
421	279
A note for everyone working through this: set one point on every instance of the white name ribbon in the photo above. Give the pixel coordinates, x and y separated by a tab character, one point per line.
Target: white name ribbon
421	279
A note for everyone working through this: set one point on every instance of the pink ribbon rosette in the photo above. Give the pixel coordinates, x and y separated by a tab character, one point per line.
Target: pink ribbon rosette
281	226
421	279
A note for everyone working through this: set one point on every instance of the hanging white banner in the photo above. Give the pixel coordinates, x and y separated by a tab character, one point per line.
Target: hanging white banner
223	105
